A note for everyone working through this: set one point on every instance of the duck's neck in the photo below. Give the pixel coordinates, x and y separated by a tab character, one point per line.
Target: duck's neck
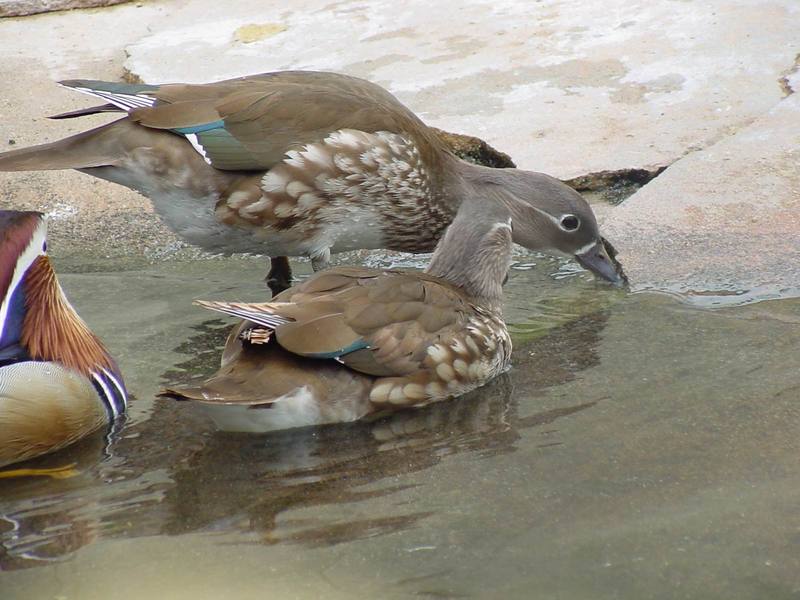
475	251
53	331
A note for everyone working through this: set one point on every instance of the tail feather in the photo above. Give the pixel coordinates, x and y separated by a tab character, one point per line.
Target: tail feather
112	87
125	96
83	112
182	393
88	149
262	314
82	151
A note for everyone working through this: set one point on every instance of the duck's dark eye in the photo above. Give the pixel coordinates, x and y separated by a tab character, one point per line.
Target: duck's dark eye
44	246
570	222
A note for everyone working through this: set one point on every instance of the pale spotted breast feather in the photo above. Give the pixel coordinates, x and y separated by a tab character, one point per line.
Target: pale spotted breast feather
454	365
348	173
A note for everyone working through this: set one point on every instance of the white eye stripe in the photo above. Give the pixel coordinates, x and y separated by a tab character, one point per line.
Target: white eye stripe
559	221
34	250
546	214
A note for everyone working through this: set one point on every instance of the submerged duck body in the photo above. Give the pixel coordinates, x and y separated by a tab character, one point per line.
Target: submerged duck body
351	342
57	381
303	163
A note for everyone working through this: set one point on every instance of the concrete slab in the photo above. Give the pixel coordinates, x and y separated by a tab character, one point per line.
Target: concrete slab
562	88
17	8
723	221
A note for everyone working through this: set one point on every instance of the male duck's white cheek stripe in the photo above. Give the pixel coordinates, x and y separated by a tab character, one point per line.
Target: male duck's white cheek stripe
25	260
192	137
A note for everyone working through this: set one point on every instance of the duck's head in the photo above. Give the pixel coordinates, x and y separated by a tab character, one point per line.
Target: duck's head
37	322
550	216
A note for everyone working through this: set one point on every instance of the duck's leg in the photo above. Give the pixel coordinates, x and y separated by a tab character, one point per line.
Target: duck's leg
279	277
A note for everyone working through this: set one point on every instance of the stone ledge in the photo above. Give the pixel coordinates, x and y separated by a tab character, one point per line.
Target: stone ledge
23	8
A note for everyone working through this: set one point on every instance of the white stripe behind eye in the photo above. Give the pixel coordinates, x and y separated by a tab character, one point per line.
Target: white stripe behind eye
25	260
545	213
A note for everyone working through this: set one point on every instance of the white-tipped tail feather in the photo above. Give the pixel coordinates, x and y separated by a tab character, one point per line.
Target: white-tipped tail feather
262	314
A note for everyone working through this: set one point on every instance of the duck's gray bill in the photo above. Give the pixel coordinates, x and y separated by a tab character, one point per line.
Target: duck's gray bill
597	260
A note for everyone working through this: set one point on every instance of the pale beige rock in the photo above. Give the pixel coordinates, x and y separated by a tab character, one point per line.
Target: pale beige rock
725	219
21	8
563	87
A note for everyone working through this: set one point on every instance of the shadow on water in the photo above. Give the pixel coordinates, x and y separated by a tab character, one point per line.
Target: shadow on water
172	474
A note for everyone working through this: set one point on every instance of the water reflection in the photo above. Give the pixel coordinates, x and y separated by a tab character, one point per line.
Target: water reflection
172	474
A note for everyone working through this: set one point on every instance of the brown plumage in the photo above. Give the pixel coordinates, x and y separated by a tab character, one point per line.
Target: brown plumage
304	163
383	339
52	330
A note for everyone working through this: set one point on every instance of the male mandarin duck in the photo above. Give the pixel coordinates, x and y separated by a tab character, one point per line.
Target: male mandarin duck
351	341
303	163
58	382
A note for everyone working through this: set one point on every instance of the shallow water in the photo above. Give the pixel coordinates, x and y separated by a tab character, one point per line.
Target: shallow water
642	446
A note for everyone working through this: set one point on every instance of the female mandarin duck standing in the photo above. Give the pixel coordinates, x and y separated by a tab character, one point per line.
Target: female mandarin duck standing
350	341
303	163
57	381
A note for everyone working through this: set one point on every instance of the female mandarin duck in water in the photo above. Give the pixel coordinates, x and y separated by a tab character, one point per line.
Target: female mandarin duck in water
302	163
351	342
57	381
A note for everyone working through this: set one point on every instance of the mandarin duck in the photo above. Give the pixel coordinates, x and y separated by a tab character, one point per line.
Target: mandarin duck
351	341
303	163
58	382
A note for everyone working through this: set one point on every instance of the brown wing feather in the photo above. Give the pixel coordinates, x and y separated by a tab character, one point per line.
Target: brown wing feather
326	334
397	314
257	376
272	113
179	114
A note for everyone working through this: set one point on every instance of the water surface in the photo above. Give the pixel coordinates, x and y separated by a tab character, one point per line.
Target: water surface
642	446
